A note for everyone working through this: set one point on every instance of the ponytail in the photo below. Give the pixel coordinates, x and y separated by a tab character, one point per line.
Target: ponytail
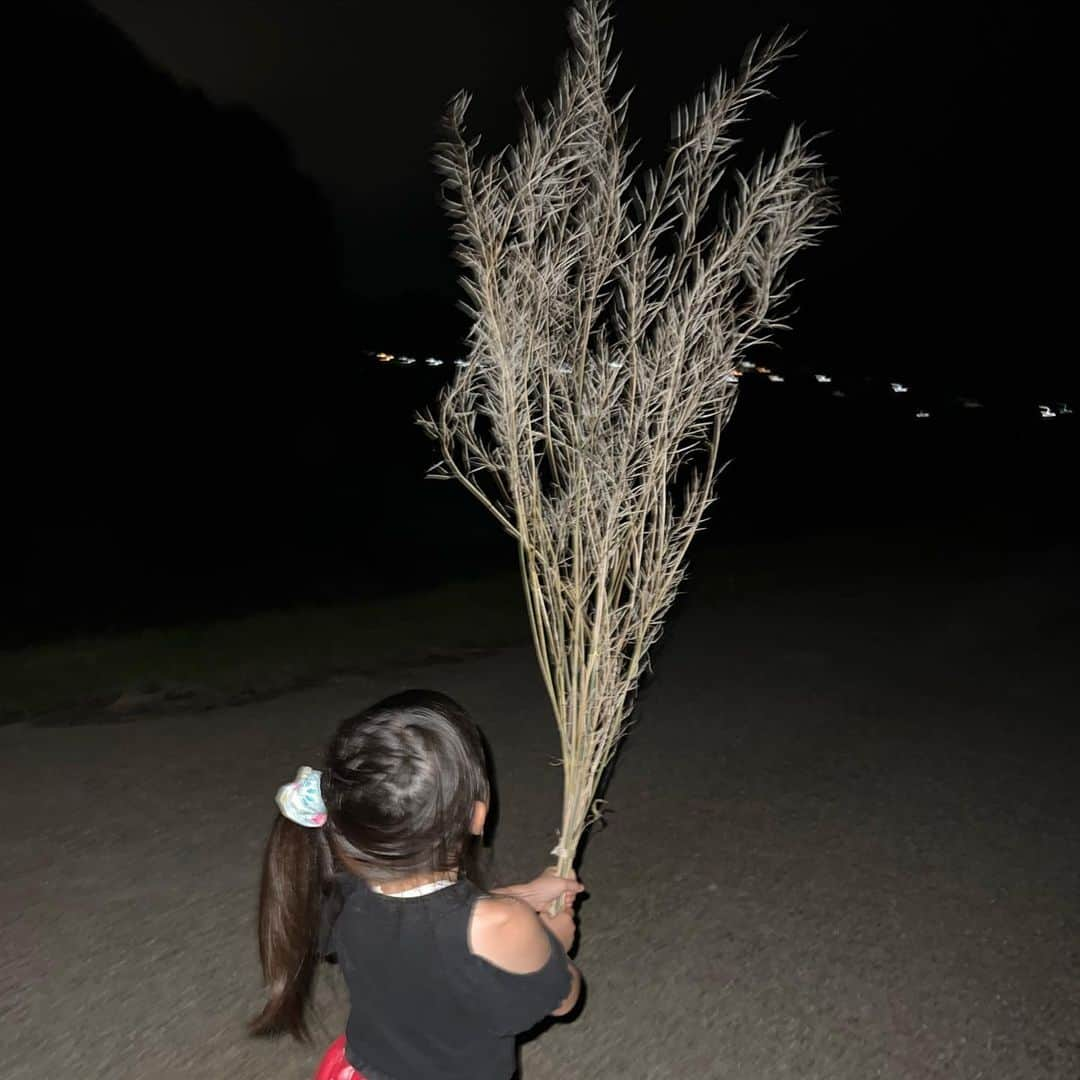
297	873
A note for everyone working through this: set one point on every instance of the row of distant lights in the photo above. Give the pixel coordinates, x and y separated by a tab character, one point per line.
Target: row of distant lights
1047	412
745	367
406	361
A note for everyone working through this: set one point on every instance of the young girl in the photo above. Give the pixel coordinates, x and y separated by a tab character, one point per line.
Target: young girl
441	975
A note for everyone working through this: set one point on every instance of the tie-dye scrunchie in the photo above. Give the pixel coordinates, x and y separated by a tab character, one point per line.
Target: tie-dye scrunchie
301	801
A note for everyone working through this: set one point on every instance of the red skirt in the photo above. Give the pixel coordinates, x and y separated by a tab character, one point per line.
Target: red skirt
334	1066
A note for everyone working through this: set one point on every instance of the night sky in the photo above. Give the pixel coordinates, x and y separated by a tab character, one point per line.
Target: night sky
229	201
944	122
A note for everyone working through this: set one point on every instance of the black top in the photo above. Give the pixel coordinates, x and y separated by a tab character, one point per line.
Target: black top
422	1006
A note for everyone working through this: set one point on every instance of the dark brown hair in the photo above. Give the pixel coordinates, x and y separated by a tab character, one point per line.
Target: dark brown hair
400	782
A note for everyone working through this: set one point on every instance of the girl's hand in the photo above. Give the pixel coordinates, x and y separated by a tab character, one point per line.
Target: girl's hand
543	891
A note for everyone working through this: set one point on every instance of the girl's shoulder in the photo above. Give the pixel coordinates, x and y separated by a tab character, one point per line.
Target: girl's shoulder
506	932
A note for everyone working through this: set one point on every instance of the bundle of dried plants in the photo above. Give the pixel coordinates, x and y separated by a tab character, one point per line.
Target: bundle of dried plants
610	307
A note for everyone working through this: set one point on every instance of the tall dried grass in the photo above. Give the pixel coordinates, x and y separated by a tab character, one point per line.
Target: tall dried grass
610	307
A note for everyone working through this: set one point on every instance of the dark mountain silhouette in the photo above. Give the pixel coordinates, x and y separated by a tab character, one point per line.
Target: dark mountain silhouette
186	374
161	219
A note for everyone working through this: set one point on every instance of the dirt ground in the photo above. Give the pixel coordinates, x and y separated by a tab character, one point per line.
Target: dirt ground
844	843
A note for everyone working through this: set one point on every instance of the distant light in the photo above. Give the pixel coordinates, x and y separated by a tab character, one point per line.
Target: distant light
733	375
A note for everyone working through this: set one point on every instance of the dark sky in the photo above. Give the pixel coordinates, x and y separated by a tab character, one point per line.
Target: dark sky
229	200
940	114
358	90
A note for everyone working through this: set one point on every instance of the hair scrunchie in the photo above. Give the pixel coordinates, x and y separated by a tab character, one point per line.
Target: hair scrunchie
302	801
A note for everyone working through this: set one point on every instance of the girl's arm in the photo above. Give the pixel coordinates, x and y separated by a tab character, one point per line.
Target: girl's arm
543	890
562	926
509	936
575	991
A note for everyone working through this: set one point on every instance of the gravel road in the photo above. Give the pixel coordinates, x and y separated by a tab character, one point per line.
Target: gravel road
844	843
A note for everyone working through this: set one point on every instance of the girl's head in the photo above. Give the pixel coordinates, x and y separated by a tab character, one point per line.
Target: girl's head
401	786
405	787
